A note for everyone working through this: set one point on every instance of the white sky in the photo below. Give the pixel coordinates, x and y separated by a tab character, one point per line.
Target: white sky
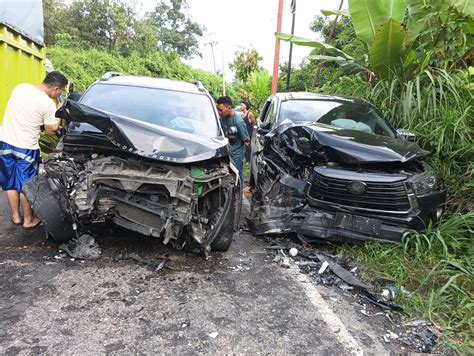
239	24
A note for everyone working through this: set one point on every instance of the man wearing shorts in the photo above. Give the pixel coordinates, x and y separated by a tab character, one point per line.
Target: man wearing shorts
29	108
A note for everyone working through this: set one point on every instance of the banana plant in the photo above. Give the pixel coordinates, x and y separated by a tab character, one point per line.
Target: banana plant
389	28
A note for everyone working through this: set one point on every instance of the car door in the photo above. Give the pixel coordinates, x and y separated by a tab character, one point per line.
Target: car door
264	124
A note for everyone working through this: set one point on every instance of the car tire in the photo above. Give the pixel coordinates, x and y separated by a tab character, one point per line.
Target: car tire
47	207
224	238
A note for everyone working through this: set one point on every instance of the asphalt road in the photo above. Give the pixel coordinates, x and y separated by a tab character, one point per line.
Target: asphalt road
234	302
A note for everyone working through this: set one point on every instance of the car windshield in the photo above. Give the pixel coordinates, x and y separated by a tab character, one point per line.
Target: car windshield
351	116
180	111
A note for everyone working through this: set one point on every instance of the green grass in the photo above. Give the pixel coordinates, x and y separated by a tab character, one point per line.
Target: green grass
438	268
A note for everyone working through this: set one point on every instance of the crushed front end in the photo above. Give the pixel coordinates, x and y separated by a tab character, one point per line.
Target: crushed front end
142	177
315	184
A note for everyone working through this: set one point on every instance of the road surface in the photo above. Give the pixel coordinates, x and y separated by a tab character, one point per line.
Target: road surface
234	302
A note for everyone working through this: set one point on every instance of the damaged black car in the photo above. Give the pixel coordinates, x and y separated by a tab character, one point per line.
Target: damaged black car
332	167
145	154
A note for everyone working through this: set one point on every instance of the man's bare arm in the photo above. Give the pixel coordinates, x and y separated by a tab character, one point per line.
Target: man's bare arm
51	129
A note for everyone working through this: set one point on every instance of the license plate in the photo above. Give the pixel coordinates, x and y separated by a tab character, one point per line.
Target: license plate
358	223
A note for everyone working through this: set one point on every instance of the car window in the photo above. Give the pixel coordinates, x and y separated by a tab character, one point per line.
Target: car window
269	117
345	115
185	112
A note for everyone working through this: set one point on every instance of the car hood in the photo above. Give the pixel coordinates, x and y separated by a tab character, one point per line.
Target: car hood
145	139
346	146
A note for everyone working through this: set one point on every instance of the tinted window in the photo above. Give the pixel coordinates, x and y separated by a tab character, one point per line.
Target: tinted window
359	117
269	114
179	111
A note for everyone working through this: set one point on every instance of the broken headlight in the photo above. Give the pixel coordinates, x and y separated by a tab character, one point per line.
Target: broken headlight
423	183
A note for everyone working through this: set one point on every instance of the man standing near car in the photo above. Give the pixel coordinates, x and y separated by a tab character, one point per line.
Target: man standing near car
236	131
28	108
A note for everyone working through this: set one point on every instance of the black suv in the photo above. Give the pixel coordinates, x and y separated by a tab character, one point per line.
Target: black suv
145	154
332	167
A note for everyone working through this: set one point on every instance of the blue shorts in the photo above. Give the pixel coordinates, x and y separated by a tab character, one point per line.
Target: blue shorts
17	166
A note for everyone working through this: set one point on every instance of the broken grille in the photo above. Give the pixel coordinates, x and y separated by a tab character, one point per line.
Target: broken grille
378	196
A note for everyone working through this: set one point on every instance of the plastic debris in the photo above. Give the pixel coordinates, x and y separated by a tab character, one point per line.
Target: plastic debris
323	267
345	287
366	313
154	265
84	248
285	262
369	297
391	335
293	252
213	335
344	274
419	322
388	293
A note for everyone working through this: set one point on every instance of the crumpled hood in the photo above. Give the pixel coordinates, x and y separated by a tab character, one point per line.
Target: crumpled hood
145	139
346	146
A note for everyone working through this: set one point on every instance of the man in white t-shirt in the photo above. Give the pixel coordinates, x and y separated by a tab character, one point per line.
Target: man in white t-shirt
29	108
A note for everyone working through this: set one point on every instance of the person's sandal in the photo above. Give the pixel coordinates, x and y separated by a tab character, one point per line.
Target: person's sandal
39	223
16	223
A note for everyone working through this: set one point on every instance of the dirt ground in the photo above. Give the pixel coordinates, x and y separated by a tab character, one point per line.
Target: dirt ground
235	302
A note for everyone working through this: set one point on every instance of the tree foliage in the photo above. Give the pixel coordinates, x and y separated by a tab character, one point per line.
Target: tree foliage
84	67
114	26
245	63
175	28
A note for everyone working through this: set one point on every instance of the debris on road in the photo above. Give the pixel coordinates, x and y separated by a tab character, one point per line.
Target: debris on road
339	271
85	248
343	273
293	252
389	293
154	265
213	335
323	267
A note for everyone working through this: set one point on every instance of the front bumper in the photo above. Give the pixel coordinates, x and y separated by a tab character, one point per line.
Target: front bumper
297	214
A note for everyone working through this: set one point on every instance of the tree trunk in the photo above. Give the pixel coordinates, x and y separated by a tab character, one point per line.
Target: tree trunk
314	83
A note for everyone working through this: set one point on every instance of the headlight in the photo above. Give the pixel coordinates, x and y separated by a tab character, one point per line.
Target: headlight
423	183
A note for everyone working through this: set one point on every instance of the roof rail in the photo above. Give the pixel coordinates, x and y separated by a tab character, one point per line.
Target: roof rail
109	75
199	85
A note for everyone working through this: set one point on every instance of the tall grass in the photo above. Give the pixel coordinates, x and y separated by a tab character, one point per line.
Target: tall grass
437	265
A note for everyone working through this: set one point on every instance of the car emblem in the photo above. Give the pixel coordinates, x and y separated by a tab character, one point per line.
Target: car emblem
356	187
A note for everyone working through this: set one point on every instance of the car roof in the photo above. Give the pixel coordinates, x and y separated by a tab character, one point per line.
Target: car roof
318	96
155	83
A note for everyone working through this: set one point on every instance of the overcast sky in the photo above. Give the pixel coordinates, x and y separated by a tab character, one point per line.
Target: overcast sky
239	24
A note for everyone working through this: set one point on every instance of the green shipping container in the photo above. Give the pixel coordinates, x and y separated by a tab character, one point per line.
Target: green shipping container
22	55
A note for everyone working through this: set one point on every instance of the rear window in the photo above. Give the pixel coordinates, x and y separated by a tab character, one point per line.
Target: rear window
350	116
185	112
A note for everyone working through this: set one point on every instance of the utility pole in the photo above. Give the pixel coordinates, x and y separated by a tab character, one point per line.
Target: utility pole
277	49
211	44
293	11
223	78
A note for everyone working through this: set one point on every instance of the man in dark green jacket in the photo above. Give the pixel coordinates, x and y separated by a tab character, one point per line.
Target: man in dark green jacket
236	131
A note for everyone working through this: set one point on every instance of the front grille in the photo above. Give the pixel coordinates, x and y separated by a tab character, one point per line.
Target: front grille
379	196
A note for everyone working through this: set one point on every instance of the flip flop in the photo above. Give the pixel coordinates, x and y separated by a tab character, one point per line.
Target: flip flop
39	223
17	223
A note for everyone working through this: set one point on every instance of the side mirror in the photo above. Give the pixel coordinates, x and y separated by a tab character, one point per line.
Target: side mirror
406	135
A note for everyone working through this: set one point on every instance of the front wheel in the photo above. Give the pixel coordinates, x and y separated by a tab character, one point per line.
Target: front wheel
224	238
48	206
